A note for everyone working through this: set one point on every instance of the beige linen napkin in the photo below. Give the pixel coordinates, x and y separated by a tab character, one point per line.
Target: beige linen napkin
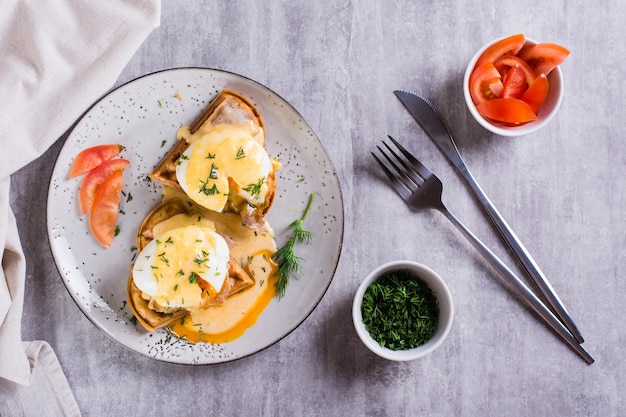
58	57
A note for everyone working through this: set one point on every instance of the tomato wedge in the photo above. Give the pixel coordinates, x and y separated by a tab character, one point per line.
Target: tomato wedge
537	93
504	63
88	159
507	110
103	218
544	57
485	83
95	178
514	83
509	45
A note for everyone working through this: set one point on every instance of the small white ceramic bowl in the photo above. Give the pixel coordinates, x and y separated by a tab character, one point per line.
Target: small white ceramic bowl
546	113
444	300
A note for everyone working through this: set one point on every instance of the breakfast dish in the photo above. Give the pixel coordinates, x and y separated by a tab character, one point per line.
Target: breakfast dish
190	264
145	116
230	133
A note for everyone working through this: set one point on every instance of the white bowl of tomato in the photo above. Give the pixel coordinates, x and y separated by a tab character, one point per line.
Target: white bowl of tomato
513	86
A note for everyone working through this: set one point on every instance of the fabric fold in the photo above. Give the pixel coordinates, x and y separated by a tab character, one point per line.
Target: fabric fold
59	57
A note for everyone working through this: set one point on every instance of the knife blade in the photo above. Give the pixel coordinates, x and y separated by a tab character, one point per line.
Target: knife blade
432	123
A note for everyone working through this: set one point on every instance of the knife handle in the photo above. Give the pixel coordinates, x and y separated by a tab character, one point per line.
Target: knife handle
522	255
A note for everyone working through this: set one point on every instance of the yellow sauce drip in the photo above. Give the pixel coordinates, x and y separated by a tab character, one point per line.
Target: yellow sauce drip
229	321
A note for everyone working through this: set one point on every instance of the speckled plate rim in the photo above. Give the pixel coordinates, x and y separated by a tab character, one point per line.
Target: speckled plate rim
169	94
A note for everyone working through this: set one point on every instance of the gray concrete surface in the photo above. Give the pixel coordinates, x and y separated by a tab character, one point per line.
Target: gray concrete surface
337	62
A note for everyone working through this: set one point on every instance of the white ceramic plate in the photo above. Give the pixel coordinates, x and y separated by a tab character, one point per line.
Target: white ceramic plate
144	115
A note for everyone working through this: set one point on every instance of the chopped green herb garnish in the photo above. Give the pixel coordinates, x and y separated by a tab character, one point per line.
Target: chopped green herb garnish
133	320
399	311
240	153
129	197
255	189
117	231
163	142
285	257
210	156
208	191
163	258
160	104
213	173
193	278
200	261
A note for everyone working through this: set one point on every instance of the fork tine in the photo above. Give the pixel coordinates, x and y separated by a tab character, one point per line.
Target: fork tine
405	176
404	192
423	170
408	171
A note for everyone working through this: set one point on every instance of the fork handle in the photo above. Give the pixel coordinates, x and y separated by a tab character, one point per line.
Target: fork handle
522	255
527	295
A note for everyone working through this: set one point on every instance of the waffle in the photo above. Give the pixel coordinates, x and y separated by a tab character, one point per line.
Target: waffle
146	313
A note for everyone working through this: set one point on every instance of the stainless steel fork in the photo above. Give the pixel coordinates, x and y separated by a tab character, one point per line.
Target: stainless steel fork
421	189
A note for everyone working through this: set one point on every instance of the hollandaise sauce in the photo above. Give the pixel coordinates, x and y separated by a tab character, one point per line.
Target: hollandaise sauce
219	157
230	320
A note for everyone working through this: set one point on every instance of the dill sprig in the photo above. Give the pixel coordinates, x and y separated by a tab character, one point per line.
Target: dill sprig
288	262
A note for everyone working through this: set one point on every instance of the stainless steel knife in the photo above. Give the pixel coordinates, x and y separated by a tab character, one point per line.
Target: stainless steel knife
431	122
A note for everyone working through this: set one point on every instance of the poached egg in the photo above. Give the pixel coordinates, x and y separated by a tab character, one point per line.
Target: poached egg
222	160
183	266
